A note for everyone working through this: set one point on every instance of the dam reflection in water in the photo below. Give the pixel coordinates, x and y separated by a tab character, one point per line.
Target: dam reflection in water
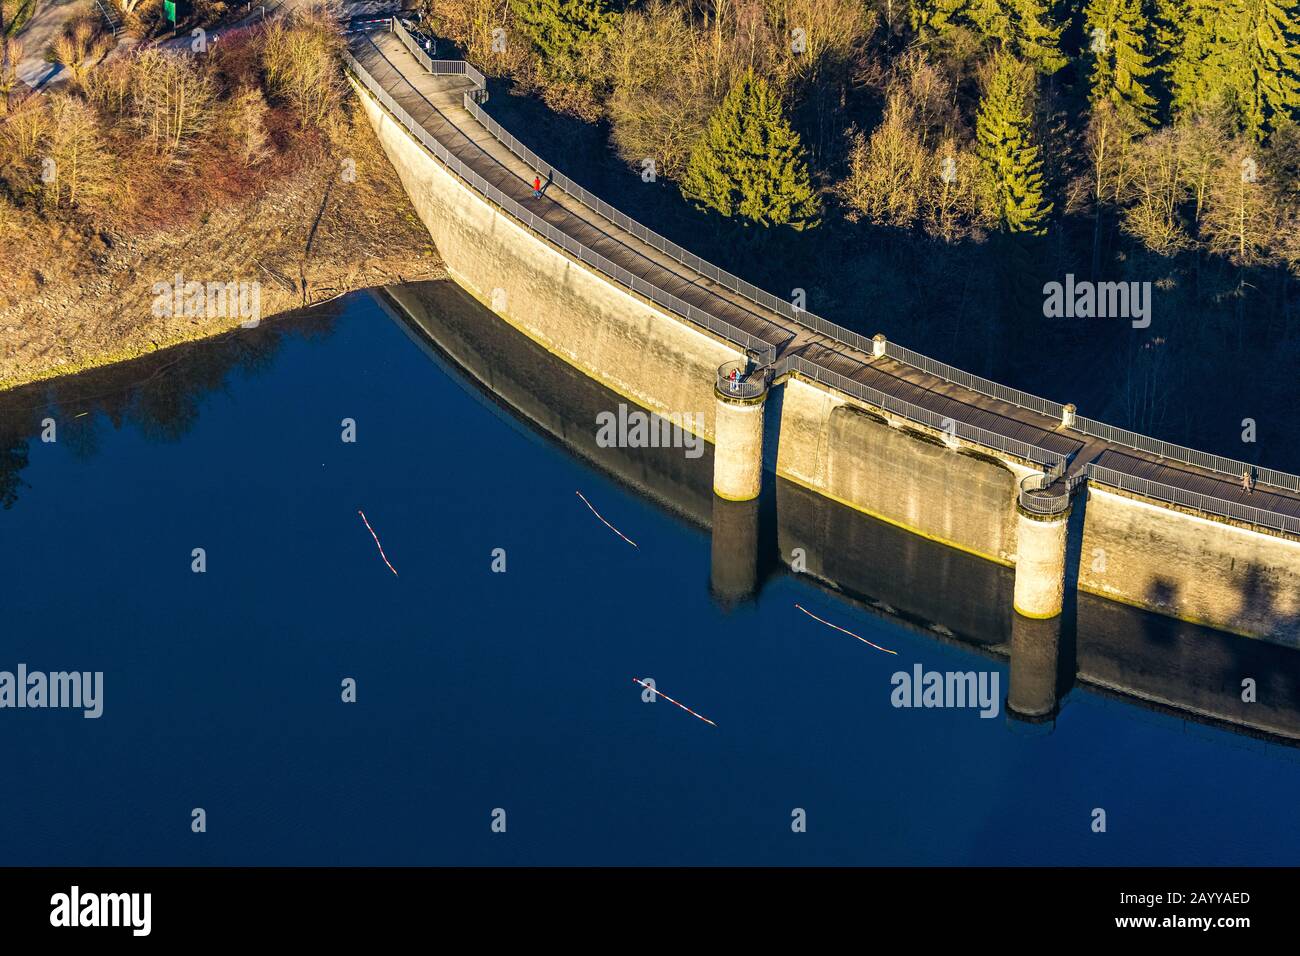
1095	646
481	690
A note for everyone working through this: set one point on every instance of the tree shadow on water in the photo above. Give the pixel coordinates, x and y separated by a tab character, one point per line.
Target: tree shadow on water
160	394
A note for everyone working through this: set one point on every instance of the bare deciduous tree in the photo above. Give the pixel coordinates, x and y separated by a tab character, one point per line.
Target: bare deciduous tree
246	116
170	97
22	132
79	167
79	48
887	169
1156	190
954	200
662	76
11	53
301	59
914	169
1240	215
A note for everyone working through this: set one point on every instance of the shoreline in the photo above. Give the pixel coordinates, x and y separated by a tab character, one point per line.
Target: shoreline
196	335
80	295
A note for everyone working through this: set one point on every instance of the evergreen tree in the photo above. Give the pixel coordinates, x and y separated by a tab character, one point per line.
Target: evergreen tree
1188	32
1035	35
1245	53
1168	21
1004	139
563	31
1121	65
1264	62
935	17
1024	27
749	163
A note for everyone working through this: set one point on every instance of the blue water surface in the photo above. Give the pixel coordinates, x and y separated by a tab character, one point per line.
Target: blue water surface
480	690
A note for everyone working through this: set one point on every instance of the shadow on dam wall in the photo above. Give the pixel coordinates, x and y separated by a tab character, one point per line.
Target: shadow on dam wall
952	597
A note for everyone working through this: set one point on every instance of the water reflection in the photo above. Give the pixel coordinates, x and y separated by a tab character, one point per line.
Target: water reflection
1035	673
733	577
159	394
1095	647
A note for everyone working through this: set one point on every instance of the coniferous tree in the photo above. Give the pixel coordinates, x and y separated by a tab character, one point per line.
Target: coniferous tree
749	164
1024	27
1195	71
935	17
1264	58
563	31
1245	53
1036	34
1121	66
1168	23
1004	139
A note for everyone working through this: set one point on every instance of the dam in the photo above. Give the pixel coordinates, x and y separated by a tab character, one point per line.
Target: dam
950	597
1068	505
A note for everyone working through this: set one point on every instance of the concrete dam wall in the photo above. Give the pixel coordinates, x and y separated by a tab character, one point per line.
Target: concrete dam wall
661	363
953	490
1198	568
951	596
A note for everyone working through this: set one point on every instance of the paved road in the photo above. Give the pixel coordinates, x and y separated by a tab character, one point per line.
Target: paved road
436	103
39	33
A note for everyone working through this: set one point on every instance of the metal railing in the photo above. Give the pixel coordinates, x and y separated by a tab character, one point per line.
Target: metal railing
922	416
974	382
412	45
111	20
1189	456
745	384
899	353
766	353
570	245
1191	499
666	246
440	67
750	291
1034	499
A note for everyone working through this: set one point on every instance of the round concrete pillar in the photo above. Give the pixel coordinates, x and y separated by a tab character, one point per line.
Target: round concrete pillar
738	433
1040	562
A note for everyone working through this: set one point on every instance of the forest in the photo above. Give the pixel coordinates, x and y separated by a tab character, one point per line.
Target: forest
923	168
926	167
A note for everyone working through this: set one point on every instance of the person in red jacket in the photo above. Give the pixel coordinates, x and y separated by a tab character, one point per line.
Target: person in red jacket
537	187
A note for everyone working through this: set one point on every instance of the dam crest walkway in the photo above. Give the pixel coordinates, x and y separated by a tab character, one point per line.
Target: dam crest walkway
441	103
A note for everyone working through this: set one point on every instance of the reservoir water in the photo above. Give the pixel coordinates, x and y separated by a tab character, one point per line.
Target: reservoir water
486	696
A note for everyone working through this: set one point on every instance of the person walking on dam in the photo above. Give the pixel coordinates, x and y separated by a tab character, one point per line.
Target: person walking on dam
537	187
